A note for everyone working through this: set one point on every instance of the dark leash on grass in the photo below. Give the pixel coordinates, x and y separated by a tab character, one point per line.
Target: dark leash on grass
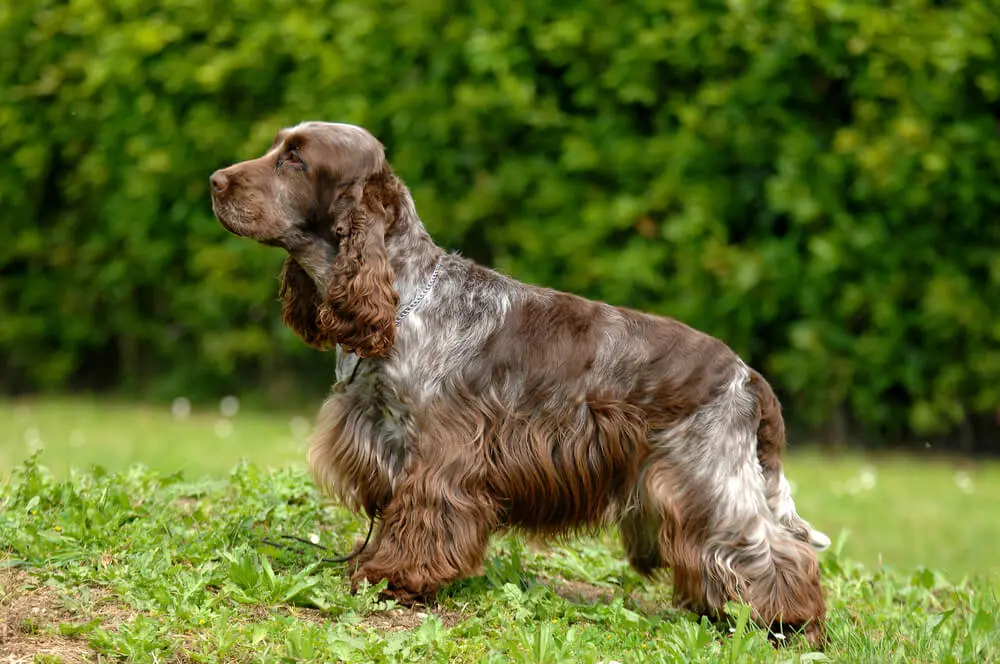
371	519
333	561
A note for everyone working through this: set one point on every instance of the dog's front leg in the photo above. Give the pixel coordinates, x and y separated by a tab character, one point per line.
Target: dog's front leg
433	531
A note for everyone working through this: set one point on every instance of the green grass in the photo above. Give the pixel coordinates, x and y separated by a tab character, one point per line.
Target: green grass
897	511
79	432
151	563
904	512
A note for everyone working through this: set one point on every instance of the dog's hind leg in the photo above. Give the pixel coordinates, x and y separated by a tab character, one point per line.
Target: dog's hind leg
719	535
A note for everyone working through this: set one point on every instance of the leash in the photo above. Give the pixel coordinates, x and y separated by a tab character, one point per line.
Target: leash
354	373
301	540
333	561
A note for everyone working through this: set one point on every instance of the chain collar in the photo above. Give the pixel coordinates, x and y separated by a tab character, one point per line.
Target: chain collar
405	311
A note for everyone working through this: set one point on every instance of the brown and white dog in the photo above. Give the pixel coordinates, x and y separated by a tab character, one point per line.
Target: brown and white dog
485	403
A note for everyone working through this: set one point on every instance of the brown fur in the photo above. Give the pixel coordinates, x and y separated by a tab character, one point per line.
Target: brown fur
511	405
299	303
771	433
329	189
360	305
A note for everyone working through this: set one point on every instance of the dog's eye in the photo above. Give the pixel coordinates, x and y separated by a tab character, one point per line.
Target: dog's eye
291	158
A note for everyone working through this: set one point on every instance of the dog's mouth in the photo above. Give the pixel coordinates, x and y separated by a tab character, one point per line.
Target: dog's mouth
224	221
228	218
241	223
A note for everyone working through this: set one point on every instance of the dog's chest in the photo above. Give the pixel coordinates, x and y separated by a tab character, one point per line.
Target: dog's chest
376	398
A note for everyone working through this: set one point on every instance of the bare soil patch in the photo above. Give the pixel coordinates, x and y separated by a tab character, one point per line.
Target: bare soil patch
405	619
31	612
28	611
581	592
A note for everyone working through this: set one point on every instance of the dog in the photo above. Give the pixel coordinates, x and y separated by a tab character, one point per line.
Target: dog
468	402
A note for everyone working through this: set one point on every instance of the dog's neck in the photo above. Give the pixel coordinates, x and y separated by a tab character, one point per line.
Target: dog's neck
411	251
316	255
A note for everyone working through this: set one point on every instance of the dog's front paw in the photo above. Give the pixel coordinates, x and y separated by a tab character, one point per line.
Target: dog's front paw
402	596
397	589
359	576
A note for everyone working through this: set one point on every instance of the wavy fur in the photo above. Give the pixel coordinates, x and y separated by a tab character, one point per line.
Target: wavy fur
496	403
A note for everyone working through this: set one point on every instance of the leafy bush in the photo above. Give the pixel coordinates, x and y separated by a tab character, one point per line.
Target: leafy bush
811	181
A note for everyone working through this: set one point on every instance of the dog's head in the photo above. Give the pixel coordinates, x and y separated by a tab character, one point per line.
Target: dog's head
325	193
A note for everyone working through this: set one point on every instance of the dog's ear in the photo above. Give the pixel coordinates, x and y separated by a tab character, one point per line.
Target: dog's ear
300	302
358	310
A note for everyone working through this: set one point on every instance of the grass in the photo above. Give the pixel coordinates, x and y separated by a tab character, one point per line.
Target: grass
79	432
896	511
148	563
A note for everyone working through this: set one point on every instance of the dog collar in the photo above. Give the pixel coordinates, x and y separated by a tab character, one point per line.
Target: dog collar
405	311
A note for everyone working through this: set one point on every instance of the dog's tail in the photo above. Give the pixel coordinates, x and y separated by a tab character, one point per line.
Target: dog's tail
771	431
771	446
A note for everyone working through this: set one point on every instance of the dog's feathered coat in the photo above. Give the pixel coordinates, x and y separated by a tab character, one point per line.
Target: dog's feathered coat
495	403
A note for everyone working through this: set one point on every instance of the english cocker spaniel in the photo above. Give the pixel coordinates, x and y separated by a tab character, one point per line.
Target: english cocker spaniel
467	402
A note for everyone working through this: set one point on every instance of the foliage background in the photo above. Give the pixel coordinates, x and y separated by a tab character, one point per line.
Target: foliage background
814	181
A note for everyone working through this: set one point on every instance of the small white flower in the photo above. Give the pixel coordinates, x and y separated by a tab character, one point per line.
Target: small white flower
223	428
314	538
180	408
964	482
229	406
32	437
866	479
300	427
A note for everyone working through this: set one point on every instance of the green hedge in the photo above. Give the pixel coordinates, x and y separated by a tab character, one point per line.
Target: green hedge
812	180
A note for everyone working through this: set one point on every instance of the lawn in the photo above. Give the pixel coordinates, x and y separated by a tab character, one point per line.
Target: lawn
165	561
172	436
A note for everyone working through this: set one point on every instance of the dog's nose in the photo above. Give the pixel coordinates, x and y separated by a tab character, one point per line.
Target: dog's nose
219	181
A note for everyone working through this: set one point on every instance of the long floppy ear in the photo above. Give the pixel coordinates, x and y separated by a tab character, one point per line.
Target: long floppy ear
300	302
359	310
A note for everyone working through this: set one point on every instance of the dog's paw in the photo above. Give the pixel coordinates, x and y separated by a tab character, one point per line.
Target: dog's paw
402	596
394	590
